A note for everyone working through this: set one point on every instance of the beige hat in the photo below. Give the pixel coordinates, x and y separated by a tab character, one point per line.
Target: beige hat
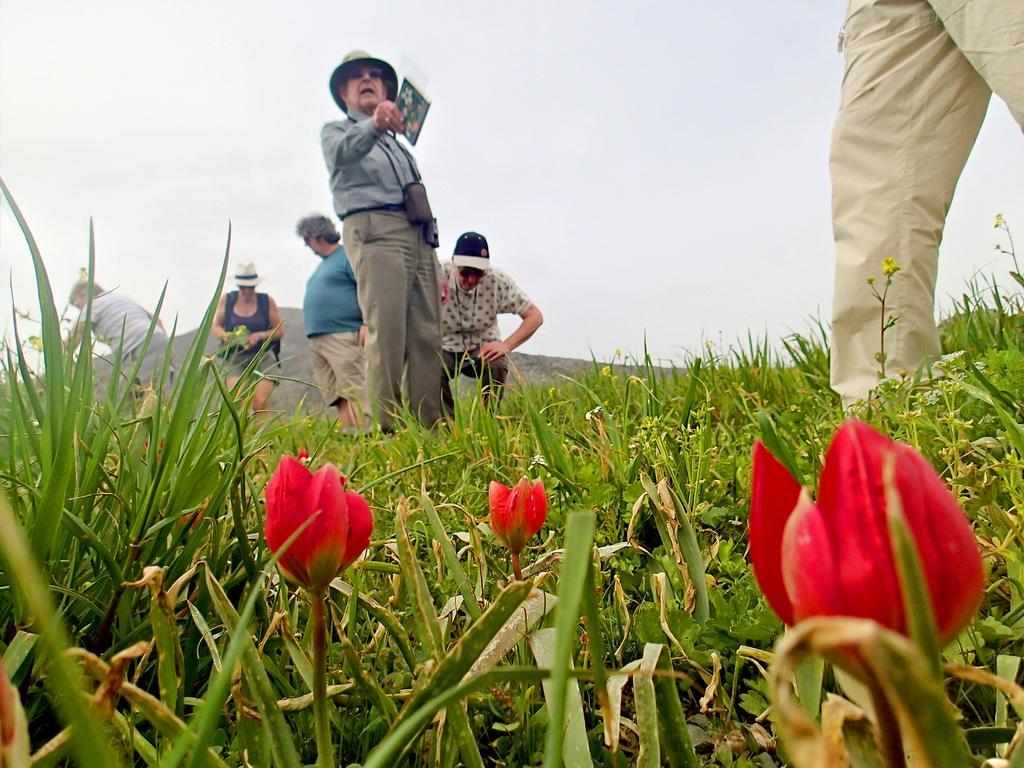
340	75
246	275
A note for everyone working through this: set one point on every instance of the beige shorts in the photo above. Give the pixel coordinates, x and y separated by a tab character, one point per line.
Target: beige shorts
339	366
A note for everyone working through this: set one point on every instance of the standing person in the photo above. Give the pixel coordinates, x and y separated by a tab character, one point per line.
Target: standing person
334	324
245	322
389	235
120	321
918	80
472	344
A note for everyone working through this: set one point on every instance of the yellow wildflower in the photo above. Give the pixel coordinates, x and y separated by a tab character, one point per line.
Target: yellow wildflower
606	371
890	267
999	220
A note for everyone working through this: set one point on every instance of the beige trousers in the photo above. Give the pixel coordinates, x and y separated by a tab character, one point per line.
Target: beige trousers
918	79
397	282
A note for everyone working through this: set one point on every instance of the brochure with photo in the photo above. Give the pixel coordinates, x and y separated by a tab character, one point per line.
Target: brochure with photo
414	105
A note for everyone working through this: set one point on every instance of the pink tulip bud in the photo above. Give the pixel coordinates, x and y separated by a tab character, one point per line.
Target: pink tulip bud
517	514
835	557
339	532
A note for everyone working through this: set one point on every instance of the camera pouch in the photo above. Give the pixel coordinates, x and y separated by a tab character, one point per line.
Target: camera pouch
417	207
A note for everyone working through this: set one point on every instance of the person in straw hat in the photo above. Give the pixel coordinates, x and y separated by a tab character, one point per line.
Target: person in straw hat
247	324
389	235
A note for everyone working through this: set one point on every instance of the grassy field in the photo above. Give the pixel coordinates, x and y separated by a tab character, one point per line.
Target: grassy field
135	568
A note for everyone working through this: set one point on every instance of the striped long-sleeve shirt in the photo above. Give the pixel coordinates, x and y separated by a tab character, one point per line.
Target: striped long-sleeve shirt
367	168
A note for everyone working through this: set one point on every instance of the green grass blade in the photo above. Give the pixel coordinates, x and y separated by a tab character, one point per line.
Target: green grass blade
776	446
390	748
917	601
579	538
279	737
673	731
399	634
451	559
90	746
458	661
422	604
462	735
576	748
646	703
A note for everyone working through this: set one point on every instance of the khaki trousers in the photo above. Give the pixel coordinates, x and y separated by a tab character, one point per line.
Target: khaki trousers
918	79
397	283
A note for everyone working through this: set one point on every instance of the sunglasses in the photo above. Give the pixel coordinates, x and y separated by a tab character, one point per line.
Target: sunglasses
471	272
375	73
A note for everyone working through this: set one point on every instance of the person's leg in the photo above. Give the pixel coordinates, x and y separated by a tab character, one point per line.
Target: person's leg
338	369
911	109
991	35
348	413
348	366
323	372
449	369
379	248
263	390
424	341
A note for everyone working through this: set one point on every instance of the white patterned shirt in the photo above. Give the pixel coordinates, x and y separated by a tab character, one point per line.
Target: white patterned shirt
113	313
470	318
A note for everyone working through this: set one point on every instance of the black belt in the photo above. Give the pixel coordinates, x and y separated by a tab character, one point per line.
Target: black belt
397	208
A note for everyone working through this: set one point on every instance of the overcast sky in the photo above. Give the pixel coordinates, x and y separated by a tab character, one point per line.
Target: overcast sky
655	168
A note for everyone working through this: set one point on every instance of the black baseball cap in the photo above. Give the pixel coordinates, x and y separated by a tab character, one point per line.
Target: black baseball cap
471	251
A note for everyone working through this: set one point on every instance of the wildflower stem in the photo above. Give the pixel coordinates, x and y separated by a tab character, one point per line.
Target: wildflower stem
325	749
517	568
884	328
1013	251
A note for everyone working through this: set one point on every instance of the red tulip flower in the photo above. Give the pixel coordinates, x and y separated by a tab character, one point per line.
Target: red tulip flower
338	533
517	514
835	557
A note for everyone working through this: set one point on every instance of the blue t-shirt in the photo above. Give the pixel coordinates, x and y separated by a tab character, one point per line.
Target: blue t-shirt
331	304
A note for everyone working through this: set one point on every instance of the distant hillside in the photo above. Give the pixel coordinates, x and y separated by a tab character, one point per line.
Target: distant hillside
298	366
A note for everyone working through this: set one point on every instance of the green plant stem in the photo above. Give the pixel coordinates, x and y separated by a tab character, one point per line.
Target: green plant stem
325	750
881	339
517	568
890	742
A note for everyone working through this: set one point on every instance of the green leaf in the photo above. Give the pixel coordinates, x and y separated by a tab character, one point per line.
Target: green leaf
423	608
451	558
394	627
680	539
579	538
398	739
645	701
809	674
917	601
279	737
672	727
576	749
91	743
909	679
776	447
453	666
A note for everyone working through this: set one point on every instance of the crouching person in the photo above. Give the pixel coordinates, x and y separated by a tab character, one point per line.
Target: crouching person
123	324
472	344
